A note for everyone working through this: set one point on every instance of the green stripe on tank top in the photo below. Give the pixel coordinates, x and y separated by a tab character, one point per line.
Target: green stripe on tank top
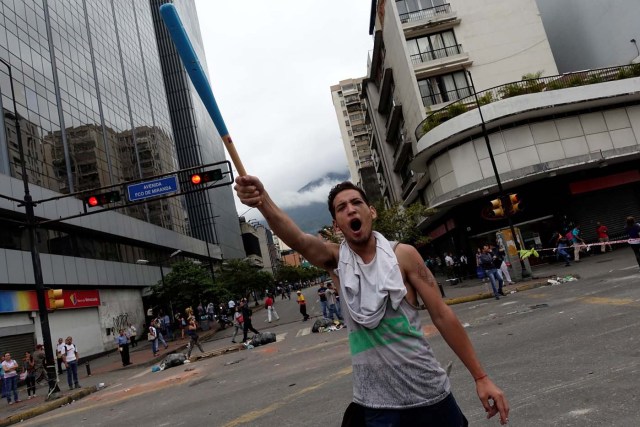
389	331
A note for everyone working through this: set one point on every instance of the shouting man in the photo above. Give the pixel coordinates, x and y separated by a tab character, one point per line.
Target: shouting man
396	378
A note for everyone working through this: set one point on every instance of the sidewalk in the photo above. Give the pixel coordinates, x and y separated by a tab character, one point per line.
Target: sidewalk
141	356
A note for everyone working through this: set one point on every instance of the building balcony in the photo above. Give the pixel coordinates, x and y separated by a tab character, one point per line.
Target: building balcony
432	17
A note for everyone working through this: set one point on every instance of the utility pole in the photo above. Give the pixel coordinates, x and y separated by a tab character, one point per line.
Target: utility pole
35	255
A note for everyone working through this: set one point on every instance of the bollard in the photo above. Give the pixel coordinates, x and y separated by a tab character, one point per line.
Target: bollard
88	369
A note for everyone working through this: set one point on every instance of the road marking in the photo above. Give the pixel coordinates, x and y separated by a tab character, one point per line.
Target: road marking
608	301
286	400
302	332
281	337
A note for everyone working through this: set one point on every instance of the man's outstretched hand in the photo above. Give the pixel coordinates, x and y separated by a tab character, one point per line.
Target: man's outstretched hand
493	399
250	190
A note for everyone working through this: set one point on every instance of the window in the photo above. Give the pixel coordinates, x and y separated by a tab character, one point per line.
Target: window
444	88
342	103
346	122
344	113
433	46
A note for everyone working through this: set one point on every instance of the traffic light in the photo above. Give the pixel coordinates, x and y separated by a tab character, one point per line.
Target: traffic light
206	177
497	208
514	204
56	299
102	199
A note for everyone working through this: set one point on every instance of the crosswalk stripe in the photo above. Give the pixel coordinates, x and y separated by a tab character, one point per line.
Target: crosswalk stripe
302	332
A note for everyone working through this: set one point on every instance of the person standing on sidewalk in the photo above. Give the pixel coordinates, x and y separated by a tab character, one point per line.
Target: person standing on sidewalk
10	382
246	317
123	348
303	306
70	359
193	335
382	316
159	326
59	353
29	367
271	310
578	243
132	332
39	357
153	338
633	231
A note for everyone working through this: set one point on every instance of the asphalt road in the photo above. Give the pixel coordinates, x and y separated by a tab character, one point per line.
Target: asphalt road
566	355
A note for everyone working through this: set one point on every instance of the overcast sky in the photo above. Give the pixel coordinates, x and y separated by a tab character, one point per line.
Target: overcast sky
271	64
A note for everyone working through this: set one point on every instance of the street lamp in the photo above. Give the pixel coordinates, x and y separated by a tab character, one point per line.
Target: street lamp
501	192
35	254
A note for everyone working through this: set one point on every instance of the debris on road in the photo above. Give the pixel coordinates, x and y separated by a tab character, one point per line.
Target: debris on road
559	280
325	325
175	359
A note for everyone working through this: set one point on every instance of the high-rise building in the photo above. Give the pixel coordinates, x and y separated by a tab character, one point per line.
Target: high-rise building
356	133
101	99
422	50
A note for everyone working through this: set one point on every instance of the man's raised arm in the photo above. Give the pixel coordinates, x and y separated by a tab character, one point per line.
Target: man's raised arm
252	193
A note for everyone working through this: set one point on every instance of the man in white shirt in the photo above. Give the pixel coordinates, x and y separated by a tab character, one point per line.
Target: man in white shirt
70	359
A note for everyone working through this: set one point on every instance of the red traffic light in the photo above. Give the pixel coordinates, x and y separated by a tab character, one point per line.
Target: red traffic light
205	177
102	199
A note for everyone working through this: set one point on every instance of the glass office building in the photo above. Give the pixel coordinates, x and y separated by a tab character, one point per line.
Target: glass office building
90	82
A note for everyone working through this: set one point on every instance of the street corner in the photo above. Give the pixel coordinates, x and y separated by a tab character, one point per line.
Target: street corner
47	406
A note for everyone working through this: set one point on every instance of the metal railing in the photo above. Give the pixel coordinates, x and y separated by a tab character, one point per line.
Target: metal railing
436	54
430	12
523	87
442	97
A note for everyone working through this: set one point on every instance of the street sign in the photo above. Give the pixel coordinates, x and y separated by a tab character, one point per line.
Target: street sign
154	188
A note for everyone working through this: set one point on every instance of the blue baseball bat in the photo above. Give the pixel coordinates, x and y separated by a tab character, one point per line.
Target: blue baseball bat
198	77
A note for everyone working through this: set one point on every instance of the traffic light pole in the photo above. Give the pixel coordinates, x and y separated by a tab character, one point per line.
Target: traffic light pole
35	254
501	193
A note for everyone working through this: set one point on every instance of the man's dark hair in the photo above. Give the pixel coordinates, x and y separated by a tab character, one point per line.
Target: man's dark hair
346	185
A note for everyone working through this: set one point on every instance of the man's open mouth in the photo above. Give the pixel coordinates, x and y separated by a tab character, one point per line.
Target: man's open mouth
355	224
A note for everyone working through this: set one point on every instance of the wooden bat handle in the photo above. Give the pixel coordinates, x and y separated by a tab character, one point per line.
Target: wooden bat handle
235	158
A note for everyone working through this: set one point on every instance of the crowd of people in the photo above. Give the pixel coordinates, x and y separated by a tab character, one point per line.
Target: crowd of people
31	369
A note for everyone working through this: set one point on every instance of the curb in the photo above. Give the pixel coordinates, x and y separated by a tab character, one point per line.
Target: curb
488	295
47	406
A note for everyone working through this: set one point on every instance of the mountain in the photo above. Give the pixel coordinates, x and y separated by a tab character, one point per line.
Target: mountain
313	216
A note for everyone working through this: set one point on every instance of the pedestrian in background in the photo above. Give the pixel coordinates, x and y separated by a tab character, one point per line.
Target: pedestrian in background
152	336
10	369
193	335
123	348
29	368
603	237
158	324
323	299
332	302
488	261
561	244
633	231
303	306
578	243
70	359
59	353
237	323
166	324
132	332
271	310
39	357
246	317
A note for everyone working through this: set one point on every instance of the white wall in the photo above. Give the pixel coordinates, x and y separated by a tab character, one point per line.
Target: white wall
560	142
119	302
505	39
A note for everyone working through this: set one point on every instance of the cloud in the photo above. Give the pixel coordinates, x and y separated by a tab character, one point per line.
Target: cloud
271	65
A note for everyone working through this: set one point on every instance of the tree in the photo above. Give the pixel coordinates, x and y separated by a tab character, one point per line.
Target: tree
239	278
401	223
292	274
185	286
